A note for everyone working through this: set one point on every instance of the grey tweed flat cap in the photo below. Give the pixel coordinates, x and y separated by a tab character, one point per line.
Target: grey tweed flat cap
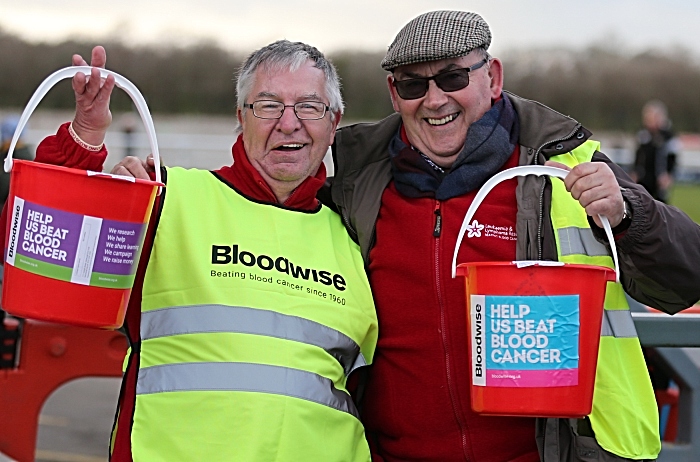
437	35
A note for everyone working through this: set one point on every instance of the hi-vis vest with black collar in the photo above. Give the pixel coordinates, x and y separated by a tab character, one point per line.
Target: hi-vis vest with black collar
624	416
252	317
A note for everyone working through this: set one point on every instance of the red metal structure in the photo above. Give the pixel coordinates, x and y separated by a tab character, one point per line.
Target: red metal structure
49	356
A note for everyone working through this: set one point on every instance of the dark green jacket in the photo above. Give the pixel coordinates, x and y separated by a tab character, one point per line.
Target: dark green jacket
658	252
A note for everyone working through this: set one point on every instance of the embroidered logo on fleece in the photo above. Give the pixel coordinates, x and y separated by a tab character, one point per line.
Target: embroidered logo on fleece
476	229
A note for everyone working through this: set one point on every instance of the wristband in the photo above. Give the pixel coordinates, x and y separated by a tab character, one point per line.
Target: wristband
81	143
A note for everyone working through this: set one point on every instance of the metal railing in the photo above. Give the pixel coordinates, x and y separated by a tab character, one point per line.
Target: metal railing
672	336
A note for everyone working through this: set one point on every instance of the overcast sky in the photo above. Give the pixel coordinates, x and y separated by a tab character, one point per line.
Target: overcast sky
354	24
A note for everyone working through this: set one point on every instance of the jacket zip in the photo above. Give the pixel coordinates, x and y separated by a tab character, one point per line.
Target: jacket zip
290	196
437	229
351	230
443	325
535	159
540	222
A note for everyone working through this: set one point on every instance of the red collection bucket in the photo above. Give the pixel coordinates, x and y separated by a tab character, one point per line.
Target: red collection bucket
74	237
533	327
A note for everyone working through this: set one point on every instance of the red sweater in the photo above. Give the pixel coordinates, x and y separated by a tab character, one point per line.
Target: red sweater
60	149
417	401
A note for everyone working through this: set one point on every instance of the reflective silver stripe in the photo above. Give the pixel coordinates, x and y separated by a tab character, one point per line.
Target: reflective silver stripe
258	378
194	319
618	323
580	241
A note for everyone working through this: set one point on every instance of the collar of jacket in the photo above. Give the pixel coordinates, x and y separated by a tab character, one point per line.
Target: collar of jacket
248	181
545	132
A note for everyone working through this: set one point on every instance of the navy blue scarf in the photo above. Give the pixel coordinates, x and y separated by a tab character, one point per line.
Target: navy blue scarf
490	143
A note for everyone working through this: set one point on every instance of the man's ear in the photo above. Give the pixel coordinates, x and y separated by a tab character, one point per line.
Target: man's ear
392	92
336	121
496	75
239	116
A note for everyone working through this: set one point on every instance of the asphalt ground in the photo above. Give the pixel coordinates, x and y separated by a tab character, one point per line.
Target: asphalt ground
76	421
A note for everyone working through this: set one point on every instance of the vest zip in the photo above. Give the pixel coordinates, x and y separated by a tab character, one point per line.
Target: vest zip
443	325
535	161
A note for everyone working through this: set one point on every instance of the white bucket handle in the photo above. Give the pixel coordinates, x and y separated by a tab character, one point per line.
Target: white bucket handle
522	171
69	72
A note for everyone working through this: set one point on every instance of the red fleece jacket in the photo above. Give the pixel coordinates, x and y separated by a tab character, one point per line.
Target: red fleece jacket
421	354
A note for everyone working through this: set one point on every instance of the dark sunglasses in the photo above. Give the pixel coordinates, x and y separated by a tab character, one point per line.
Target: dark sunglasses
446	81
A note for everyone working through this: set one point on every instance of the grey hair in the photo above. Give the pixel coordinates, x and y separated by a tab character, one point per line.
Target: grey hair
284	54
484	54
481	51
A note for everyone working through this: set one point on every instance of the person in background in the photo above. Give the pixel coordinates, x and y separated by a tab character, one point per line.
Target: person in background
403	186
654	168
251	305
657	149
21	151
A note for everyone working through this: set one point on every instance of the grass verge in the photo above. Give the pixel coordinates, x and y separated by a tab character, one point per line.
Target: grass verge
686	196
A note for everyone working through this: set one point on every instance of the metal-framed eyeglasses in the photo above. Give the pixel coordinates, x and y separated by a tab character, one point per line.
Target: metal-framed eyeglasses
304	110
447	81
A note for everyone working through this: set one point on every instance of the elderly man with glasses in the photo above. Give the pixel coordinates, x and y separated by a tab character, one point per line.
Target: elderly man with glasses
251	305
403	186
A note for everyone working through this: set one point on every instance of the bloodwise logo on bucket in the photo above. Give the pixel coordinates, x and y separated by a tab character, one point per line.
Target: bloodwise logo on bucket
16	217
524	341
477	347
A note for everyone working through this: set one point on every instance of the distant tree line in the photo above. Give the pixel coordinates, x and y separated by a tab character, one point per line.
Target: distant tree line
198	79
605	89
601	88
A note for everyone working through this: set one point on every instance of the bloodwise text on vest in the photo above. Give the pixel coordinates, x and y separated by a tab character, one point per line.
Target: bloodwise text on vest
225	255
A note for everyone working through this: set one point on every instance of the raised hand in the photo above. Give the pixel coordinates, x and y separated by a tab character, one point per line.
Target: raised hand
593	184
92	94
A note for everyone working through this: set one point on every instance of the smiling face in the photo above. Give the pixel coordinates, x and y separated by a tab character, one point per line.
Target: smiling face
286	151
437	123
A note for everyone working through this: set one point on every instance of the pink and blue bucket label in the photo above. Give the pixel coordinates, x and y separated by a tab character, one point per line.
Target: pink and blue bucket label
71	247
524	341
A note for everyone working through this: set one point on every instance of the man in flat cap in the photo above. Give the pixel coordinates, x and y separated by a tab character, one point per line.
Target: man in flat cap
403	186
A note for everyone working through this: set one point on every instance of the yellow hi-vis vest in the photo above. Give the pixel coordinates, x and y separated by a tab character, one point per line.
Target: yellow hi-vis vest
252	317
624	417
